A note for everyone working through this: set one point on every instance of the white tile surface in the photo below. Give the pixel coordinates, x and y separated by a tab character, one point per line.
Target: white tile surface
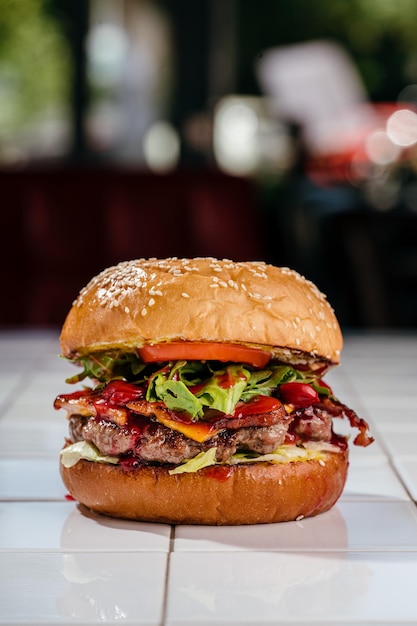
34	440
31	478
400	440
372	479
407	469
355	564
66	526
84	588
348	526
271	588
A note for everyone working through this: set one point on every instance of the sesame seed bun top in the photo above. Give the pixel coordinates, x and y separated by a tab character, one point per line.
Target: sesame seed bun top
203	299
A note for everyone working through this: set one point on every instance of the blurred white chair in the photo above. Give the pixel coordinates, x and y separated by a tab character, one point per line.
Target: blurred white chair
315	85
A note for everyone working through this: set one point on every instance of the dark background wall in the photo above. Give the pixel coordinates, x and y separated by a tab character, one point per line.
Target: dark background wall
76	196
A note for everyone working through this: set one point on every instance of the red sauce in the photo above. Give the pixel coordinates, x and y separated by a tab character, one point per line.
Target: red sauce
290	438
119	393
228	380
219	472
260	404
129	463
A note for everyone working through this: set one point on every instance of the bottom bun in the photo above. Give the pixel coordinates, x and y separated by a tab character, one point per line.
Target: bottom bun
255	493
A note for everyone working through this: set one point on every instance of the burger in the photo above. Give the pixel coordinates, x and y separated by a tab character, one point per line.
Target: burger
201	396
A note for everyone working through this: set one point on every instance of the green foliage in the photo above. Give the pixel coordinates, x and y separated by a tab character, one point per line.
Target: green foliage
34	65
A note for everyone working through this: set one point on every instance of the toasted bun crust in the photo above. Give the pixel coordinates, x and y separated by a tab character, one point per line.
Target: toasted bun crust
257	493
202	299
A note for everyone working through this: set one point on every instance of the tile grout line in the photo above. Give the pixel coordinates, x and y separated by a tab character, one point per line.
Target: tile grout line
167	573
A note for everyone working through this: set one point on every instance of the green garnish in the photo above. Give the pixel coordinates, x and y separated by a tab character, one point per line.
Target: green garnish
193	386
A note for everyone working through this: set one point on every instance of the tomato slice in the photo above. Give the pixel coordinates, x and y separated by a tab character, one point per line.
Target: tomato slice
203	351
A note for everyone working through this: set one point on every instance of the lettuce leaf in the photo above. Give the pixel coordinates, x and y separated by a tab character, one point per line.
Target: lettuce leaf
193	386
73	453
204	459
283	454
221	391
224	389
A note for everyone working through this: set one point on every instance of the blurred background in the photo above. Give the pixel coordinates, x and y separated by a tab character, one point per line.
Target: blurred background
247	129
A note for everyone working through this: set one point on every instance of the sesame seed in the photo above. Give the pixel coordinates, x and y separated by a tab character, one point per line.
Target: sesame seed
143	312
185	295
127	310
151	302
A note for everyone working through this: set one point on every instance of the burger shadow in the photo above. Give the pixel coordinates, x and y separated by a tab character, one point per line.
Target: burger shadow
324	532
87	530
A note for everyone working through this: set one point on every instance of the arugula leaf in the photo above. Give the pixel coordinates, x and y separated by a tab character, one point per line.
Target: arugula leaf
265	382
192	386
106	366
322	390
174	393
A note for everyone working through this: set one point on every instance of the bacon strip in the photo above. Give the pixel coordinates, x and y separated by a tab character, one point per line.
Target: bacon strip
337	409
116	408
